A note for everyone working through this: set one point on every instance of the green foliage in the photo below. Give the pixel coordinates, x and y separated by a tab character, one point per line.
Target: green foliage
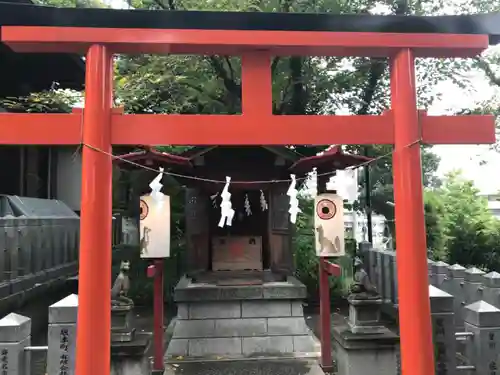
471	231
435	225
50	101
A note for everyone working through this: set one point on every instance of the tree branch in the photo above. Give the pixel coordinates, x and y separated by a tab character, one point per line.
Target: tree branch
274	64
298	100
230	84
486	68
160	4
377	68
201	91
230	66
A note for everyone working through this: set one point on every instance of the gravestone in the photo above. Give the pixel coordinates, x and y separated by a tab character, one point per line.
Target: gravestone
491	291
430	271
62	336
444	330
15	335
439	273
472	284
454	285
483	320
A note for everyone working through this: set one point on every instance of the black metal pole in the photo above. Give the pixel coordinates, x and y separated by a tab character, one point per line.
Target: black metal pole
368	205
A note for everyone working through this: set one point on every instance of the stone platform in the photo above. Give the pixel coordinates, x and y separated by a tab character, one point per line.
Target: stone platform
247	367
240	321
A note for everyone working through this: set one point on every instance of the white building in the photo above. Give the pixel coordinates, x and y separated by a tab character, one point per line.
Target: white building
493	203
356	227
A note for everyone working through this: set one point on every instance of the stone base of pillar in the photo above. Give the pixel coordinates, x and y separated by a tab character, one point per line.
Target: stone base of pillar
361	353
130	358
122	323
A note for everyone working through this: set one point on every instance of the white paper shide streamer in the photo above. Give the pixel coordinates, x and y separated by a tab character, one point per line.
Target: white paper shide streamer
248	207
263	202
226	207
156	186
294	201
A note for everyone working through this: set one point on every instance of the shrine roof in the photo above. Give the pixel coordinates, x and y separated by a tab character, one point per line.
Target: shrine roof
332	159
150	157
32	15
285	152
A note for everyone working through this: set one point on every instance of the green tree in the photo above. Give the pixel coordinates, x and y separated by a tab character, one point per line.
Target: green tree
435	225
472	232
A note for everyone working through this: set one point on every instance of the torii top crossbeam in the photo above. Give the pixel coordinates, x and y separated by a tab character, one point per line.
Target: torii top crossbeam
256	37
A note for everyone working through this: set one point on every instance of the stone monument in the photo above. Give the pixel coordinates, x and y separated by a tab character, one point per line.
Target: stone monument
128	348
364	303
363	344
122	307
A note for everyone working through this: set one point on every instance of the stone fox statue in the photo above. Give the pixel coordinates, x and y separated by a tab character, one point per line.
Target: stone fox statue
362	283
121	286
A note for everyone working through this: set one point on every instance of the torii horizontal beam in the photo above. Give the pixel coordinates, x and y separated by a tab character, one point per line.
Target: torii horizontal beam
66	129
237	42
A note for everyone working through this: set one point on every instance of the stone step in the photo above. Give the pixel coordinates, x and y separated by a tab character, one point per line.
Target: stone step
239	309
240	327
261	367
243	346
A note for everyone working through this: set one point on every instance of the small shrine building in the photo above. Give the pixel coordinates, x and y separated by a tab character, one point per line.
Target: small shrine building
239	296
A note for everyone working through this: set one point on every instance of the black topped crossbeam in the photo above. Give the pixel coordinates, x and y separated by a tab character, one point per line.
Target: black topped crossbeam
34	15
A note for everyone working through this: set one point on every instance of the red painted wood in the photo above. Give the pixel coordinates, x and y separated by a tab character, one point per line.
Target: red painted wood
93	351
332	268
159	305
234	42
325	318
417	349
65	129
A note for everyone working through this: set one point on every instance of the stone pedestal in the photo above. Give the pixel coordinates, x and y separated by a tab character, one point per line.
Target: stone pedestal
364	315
130	357
122	323
374	354
362	345
241	321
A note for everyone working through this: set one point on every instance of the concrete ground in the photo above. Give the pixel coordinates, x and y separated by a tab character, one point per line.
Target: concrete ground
247	367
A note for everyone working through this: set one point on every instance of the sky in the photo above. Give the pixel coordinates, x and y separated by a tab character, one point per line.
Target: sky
468	158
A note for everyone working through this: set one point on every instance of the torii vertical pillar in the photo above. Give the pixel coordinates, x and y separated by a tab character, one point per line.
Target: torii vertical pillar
94	290
417	350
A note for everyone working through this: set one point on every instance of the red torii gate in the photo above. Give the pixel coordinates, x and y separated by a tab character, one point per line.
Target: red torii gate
103	127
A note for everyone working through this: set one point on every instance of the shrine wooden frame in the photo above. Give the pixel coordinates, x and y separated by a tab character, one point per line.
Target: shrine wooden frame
403	125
